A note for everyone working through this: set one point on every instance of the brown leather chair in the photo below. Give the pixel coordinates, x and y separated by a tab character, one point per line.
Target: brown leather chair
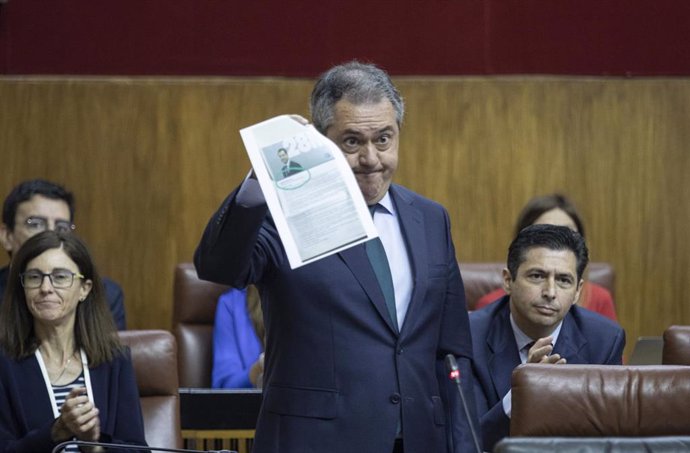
194	310
482	278
600	400
154	357
676	346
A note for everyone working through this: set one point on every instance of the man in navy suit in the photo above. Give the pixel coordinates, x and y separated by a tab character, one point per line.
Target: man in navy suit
537	321
353	363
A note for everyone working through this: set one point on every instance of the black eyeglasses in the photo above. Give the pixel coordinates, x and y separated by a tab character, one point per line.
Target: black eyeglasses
59	278
37	225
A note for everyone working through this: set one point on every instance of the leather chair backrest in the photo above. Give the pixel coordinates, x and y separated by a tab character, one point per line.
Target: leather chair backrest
600	400
154	357
482	278
194	310
676	346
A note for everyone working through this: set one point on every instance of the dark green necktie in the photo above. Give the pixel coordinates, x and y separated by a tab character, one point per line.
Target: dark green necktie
378	260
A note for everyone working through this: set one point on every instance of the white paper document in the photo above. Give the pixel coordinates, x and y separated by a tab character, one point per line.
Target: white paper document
309	188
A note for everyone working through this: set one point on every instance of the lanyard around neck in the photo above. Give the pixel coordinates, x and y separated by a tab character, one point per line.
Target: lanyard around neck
49	386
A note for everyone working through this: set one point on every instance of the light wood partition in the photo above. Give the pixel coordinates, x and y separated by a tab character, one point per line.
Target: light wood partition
149	160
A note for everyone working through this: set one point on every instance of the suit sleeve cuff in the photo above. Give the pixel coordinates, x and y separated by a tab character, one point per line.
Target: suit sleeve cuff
250	194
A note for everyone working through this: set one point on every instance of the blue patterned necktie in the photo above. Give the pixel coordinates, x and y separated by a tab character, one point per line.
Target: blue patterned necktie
379	262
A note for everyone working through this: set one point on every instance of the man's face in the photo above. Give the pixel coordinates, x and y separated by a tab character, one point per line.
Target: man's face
30	218
368	136
283	155
545	287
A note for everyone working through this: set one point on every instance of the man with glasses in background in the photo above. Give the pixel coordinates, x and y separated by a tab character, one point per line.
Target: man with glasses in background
35	206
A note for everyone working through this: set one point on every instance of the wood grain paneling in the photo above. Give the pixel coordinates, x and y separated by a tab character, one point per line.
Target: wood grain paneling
150	160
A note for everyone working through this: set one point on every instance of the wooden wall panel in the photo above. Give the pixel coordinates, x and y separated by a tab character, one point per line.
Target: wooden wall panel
150	159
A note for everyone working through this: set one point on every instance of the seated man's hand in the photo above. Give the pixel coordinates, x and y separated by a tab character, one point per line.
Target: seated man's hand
540	352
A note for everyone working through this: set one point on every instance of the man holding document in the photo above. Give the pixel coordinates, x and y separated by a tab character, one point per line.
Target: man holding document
355	341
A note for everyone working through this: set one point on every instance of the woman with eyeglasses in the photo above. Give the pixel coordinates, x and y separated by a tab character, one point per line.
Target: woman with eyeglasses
63	373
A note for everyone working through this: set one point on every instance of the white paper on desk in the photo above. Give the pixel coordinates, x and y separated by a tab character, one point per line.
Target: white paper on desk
314	198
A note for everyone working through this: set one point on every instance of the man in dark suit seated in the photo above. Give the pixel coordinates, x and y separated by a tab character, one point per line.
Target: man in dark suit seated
537	321
37	205
354	357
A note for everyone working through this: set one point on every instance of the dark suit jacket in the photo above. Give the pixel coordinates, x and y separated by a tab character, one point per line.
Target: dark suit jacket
585	338
291	169
113	294
337	373
26	416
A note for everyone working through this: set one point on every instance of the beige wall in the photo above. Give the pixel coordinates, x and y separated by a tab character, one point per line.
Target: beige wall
150	160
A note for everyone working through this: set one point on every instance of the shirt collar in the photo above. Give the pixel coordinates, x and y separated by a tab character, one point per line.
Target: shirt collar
387	203
522	339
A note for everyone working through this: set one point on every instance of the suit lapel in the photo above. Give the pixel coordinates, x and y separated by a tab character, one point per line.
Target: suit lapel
571	341
504	356
412	227
356	259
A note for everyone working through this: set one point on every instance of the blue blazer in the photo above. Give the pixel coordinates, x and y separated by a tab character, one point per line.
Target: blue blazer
338	376
585	338
26	415
235	344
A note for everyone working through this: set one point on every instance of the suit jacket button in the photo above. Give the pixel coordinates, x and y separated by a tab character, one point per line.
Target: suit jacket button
395	398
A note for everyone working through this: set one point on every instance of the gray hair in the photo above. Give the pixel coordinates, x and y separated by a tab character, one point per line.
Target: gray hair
357	82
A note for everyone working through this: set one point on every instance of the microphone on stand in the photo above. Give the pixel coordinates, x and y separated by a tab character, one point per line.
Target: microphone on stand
83	443
454	375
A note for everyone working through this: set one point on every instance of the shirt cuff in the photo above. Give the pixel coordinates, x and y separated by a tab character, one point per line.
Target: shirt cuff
508	403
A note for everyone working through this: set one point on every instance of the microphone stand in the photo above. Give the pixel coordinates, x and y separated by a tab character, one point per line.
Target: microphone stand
454	375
